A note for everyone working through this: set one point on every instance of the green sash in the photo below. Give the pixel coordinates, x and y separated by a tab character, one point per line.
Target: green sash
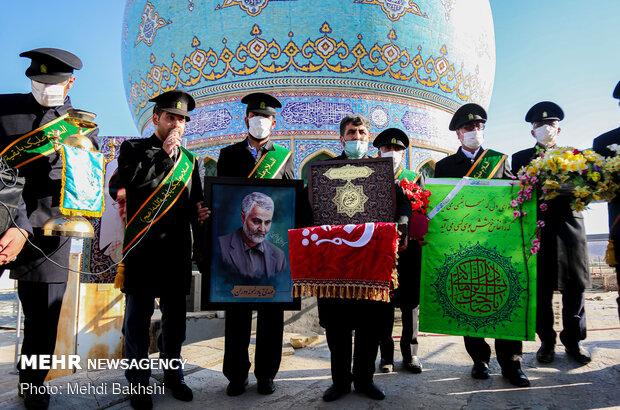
38	143
271	163
487	165
161	199
403	173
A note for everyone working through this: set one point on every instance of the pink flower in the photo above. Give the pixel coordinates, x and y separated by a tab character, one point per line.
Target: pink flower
529	189
543	207
520	199
516	214
540	224
514	203
513	177
524	213
528	196
536	242
533	251
534	180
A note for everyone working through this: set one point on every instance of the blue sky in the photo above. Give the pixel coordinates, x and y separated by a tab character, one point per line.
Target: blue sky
566	51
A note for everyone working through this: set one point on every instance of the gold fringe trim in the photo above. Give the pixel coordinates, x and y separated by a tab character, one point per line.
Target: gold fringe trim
119	280
610	254
342	292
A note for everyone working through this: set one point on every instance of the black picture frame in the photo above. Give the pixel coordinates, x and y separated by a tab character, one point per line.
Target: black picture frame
230	278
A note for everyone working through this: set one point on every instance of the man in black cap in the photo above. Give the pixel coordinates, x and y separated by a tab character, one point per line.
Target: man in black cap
341	318
393	143
563	256
472	160
164	201
41	283
255	157
601	146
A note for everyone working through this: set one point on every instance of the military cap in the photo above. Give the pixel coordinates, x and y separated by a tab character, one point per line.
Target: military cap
51	65
391	136
467	113
175	102
545	110
617	91
261	103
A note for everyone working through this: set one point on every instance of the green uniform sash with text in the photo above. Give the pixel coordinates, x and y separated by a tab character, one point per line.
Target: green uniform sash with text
487	164
271	163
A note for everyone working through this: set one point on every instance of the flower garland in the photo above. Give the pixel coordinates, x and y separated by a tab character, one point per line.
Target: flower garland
417	196
585	176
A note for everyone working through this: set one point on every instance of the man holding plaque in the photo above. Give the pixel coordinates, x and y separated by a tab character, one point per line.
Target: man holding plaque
341	317
471	160
255	157
393	143
26	121
164	201
563	256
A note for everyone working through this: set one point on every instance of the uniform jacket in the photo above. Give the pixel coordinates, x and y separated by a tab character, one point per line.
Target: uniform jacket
20	114
563	255
600	146
160	264
236	160
457	166
233	255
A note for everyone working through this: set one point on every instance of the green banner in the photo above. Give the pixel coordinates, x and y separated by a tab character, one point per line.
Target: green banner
475	278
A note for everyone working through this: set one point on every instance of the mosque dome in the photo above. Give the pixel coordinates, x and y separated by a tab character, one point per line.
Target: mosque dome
401	63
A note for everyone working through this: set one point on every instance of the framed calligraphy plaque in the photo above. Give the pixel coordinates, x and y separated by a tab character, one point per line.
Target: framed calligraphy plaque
244	254
352	191
479	274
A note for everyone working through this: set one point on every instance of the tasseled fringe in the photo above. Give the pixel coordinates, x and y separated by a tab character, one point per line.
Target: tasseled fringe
342	292
610	255
119	280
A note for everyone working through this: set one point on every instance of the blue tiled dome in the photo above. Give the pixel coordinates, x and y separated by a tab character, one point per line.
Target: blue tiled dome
401	63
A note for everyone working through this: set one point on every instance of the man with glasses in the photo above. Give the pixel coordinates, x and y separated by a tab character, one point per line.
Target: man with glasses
563	255
471	160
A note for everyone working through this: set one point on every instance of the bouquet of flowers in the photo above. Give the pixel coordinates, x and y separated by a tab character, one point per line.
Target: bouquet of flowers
419	207
584	175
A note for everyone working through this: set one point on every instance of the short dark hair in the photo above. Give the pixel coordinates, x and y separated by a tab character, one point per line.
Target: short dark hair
355	119
157	111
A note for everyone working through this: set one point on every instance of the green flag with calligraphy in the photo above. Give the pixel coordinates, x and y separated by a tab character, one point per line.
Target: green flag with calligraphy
478	274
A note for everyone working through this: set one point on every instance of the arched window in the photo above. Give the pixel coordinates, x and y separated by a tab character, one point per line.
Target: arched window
427	168
319	156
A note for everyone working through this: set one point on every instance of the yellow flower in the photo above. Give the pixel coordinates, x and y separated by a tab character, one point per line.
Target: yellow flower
550	184
550	163
594	176
550	195
578	205
582	192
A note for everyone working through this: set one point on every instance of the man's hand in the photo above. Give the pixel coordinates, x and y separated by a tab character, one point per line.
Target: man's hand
203	212
402	245
172	143
422	242
11	244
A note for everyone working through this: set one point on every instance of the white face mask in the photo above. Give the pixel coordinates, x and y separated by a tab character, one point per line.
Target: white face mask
397	157
48	95
260	127
473	139
545	135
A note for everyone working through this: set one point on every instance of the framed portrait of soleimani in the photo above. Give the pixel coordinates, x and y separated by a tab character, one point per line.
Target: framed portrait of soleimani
245	246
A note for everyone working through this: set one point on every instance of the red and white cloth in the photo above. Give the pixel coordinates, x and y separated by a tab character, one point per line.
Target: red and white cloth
344	261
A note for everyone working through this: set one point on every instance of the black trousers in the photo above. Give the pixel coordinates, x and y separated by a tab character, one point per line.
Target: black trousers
137	327
408	338
41	303
573	315
616	240
237	333
341	318
509	352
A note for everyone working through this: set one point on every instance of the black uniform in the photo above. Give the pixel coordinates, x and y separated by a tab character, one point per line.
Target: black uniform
237	161
41	284
600	146
562	265
509	352
407	298
340	317
160	264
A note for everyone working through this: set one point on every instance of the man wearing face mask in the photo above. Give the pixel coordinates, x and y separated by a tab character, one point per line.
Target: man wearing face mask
342	317
41	284
600	145
563	256
393	143
255	157
471	160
